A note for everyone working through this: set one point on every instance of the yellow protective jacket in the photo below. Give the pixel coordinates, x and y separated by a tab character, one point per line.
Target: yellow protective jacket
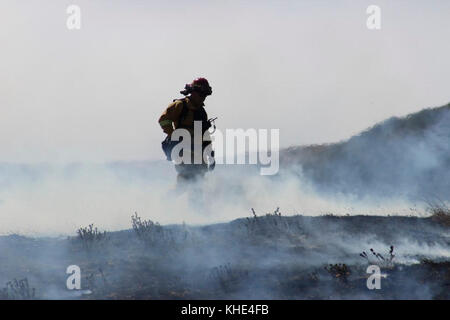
170	117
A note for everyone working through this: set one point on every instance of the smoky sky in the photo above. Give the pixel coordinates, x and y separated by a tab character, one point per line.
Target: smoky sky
309	68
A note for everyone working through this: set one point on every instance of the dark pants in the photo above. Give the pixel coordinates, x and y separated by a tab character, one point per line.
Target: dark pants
190	172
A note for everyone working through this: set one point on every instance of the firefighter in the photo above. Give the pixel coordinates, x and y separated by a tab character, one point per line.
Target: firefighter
182	113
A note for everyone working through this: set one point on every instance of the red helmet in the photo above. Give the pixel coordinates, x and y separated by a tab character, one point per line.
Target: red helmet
200	85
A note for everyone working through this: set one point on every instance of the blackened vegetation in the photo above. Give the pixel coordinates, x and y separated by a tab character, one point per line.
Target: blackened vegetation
269	225
265	256
440	213
90	236
437	272
375	258
339	270
272	226
228	278
17	290
151	233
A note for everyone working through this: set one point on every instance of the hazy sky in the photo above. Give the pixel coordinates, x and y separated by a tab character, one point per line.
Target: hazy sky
310	68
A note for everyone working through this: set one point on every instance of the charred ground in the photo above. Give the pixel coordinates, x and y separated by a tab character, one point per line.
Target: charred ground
261	257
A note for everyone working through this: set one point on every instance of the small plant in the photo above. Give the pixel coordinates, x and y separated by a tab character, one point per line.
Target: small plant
251	224
271	225
149	231
89	236
339	271
17	290
227	277
380	259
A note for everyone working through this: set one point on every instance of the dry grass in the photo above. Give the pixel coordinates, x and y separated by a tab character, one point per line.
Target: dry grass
441	214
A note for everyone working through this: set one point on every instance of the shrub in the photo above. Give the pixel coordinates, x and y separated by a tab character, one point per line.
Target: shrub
89	236
149	231
339	271
440	213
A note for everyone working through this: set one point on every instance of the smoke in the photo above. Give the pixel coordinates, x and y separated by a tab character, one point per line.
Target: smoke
52	200
405	158
267	257
55	200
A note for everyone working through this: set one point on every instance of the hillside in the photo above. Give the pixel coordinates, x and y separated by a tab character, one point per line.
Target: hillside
407	156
